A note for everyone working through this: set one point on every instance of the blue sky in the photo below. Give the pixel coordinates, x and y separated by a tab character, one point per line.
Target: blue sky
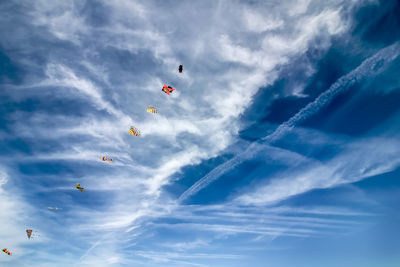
280	146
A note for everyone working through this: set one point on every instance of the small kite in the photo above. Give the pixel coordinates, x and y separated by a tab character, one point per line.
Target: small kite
180	68
152	109
107	159
167	89
29	233
134	131
54	208
6	251
78	186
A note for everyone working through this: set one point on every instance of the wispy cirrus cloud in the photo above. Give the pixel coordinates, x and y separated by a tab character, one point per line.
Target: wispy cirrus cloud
93	67
358	161
370	66
14	215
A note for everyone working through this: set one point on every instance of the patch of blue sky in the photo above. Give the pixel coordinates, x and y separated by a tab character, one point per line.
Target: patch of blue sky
323	193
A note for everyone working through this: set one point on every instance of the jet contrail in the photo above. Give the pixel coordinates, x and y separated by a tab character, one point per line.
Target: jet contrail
371	66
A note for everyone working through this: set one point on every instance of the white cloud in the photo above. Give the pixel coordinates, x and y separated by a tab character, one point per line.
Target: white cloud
62	76
259	23
226	60
366	69
56	15
14	217
298	7
360	160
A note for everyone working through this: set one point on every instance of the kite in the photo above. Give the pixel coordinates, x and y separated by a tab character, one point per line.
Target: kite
78	186
6	251
134	131
167	89
54	208
29	233
180	68
107	159
152	109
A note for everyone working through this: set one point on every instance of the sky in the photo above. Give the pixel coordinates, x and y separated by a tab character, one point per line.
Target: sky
280	146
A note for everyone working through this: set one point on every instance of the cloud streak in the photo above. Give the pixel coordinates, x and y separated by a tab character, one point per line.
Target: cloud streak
88	72
360	160
369	67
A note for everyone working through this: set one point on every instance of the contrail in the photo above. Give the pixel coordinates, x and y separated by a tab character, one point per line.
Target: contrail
371	66
90	249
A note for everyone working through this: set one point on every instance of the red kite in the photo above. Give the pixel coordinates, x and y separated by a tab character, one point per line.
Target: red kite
107	159
6	251
167	89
